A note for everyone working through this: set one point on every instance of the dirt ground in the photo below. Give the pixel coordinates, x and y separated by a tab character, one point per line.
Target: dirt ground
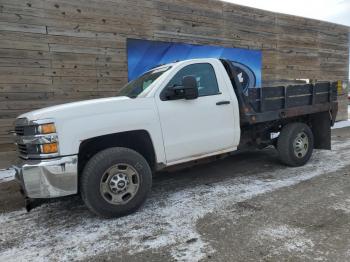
246	207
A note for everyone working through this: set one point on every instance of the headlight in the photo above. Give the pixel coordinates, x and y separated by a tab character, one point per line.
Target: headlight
49	148
46	128
36	139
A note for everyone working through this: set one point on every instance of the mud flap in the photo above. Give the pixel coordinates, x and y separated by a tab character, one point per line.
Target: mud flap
321	129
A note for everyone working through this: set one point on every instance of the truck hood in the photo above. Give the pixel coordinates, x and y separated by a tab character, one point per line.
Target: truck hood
80	109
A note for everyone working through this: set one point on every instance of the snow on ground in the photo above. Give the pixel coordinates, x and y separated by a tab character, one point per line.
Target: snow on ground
67	231
345	123
292	238
343	206
341	124
6	175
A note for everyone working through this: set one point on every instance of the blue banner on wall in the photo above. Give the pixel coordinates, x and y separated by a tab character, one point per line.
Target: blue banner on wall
144	55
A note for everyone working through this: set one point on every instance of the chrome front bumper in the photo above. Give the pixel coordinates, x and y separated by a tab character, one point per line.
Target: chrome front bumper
48	178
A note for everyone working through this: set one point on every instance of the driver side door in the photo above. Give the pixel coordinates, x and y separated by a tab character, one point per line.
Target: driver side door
201	126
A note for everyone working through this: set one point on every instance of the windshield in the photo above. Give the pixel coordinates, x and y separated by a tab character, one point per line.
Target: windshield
134	88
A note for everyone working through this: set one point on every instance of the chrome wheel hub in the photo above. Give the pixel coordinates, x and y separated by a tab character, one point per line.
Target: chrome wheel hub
301	145
119	184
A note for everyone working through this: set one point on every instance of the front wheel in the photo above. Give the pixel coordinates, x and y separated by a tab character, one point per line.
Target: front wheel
115	182
295	144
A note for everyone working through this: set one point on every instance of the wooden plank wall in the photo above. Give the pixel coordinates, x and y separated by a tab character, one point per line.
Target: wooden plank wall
54	51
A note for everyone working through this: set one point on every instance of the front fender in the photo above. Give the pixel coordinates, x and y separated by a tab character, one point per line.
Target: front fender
72	131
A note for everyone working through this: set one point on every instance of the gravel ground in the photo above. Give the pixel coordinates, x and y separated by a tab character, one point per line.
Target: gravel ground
246	207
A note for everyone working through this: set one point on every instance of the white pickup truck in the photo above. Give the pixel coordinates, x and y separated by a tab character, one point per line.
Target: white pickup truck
107	149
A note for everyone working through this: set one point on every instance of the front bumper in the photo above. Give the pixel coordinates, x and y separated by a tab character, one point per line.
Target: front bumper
48	178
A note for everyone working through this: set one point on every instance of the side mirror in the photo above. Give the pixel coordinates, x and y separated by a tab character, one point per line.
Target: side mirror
189	85
188	90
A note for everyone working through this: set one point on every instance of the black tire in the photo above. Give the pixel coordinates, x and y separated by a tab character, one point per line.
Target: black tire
285	145
92	177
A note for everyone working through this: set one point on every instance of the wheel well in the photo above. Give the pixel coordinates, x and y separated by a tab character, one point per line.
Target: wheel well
138	140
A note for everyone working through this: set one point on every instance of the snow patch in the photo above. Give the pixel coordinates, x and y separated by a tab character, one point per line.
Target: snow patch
291	237
7	175
345	123
298	244
341	124
280	232
343	206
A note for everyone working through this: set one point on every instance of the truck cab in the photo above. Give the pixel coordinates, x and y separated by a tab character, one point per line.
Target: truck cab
107	149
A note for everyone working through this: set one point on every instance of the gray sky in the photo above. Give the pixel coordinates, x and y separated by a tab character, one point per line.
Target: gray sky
336	11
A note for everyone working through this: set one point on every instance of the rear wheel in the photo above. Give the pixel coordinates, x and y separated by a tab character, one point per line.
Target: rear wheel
295	144
115	182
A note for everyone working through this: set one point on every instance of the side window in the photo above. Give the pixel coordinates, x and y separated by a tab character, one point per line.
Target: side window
205	76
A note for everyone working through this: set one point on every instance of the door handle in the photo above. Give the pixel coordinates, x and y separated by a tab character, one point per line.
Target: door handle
222	103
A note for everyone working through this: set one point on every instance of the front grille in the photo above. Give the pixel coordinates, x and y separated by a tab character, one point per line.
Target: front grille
22	149
19	130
